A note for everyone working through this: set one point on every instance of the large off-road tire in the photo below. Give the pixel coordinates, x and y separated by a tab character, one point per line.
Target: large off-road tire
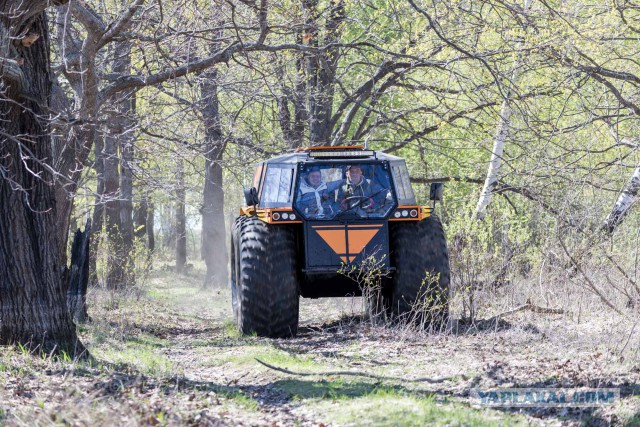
420	293
263	278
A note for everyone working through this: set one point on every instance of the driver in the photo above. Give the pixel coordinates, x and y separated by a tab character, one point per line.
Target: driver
357	191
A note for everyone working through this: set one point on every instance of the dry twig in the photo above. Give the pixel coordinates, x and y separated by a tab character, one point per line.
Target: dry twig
355	374
527	306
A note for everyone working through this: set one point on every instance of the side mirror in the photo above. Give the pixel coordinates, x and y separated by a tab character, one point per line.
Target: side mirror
251	196
436	191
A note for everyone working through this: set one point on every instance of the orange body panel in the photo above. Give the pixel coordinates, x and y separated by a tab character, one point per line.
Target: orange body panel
357	237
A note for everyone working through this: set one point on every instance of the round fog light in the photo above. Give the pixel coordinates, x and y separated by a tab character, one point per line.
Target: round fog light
413	213
275	216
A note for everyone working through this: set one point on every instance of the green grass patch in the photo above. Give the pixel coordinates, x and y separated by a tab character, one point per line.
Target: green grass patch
393	406
143	357
243	355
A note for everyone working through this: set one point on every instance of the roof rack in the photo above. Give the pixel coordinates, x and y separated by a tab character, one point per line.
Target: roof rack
330	148
340	152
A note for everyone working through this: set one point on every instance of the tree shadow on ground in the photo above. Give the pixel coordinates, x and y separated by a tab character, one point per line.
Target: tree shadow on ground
351	323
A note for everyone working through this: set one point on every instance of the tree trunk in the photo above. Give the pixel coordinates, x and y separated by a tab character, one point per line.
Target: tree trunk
151	240
127	108
493	172
33	308
214	248
321	70
97	221
624	203
118	158
71	155
502	133
79	275
140	218
181	219
115	277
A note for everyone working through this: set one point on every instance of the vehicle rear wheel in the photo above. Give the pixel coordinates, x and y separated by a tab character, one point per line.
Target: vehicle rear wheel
263	278
420	293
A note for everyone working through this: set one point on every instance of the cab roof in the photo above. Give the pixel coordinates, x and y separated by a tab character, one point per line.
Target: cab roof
338	154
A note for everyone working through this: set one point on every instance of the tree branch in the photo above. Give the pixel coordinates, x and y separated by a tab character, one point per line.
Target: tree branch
121	24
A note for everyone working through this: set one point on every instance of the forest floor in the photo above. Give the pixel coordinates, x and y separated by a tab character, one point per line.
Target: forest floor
168	353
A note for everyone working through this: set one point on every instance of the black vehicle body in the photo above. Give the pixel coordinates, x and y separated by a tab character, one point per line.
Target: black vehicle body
327	248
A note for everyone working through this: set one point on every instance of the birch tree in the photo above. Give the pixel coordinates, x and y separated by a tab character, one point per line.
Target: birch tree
628	197
502	135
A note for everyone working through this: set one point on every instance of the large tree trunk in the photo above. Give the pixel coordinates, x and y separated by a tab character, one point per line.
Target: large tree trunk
627	198
214	249
115	277
321	69
97	221
72	152
33	308
118	158
127	108
181	219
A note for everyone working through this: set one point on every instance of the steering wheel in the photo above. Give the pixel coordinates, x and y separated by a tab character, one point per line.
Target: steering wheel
346	203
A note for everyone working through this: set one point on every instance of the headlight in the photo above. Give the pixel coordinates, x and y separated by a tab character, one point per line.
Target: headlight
405	213
285	215
292	217
397	214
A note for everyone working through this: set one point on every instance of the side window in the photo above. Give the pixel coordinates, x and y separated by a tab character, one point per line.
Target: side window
403	185
277	186
258	175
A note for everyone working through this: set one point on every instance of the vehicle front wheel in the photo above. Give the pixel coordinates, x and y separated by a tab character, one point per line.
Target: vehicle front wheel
263	278
420	293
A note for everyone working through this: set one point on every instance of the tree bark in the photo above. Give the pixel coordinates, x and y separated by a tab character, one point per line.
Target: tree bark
626	200
151	239
181	219
97	221
79	275
493	171
214	248
33	308
140	218
74	151
502	134
321	69
118	158
115	277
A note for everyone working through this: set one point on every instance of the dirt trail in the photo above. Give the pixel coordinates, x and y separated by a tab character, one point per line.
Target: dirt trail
171	355
528	350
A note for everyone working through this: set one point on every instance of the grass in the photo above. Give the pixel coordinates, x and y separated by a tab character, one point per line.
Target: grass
362	403
169	354
389	410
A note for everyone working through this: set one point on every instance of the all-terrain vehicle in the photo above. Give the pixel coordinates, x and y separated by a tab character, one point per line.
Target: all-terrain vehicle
315	216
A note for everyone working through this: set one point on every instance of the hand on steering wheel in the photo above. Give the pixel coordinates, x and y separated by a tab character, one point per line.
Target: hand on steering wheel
359	202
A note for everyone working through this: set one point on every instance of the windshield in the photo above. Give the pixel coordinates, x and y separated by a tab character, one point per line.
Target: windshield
335	191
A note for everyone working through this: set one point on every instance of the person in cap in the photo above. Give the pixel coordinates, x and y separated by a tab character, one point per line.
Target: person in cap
358	192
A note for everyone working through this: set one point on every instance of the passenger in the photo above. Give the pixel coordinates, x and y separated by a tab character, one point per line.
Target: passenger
358	192
313	196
